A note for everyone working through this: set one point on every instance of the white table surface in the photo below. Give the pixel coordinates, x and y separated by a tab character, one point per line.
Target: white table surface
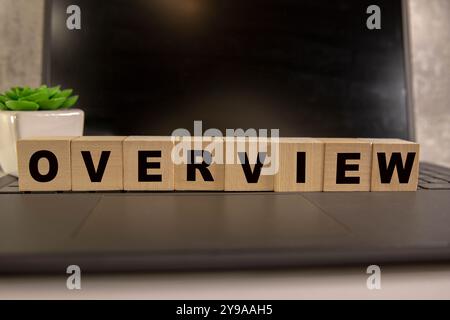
397	282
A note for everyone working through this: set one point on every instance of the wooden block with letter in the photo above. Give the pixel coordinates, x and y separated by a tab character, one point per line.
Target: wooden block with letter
300	165
249	165
44	164
347	165
199	163
395	165
97	163
147	163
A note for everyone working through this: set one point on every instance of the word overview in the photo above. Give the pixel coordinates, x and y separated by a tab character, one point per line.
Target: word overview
217	164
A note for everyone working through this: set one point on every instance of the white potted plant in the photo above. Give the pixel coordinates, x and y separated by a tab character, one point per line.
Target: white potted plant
39	112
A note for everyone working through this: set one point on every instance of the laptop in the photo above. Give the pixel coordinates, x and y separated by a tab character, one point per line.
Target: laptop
307	68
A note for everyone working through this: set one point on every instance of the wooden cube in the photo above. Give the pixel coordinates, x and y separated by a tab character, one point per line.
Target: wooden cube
347	165
97	163
148	164
199	164
300	165
247	159
44	164
395	165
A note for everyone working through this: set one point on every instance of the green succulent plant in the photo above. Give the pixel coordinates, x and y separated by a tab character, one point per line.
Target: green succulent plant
42	98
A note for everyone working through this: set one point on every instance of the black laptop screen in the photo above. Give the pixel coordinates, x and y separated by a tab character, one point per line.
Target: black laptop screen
309	68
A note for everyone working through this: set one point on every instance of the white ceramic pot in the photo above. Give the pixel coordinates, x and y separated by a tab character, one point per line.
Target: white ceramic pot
15	125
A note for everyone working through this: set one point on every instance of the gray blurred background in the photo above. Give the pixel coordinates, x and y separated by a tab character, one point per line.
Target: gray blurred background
21	41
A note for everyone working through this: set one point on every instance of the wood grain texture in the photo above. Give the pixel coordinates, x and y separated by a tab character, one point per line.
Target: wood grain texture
340	146
158	163
112	178
131	148
216	169
385	149
286	178
235	178
60	147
